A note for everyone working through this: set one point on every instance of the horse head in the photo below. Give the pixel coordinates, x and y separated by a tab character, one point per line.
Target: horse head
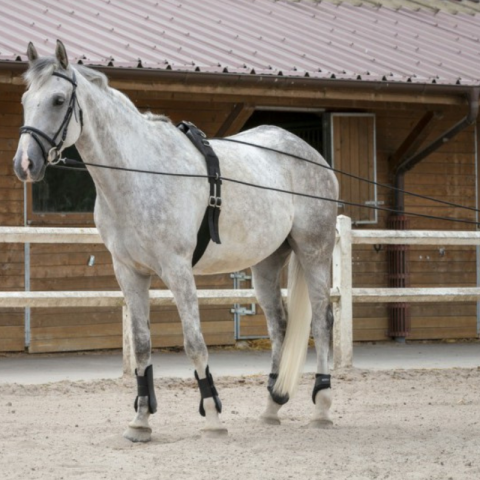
52	114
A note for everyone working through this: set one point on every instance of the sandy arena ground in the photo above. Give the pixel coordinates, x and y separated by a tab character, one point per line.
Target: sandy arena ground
404	424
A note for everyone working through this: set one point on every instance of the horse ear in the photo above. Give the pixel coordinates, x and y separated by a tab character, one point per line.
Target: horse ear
61	54
31	53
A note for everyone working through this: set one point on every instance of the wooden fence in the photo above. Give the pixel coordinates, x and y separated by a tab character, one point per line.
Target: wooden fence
342	294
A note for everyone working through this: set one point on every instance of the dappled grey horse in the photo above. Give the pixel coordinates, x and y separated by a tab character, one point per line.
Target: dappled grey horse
149	223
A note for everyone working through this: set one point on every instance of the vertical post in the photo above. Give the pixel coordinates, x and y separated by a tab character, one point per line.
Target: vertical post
128	357
26	263
342	280
28	326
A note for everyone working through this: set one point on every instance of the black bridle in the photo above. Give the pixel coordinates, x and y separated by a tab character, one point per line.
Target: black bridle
53	154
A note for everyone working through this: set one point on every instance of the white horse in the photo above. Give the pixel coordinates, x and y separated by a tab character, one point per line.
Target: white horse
149	223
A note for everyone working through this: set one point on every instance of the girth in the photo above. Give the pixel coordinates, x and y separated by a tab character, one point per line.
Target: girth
209	227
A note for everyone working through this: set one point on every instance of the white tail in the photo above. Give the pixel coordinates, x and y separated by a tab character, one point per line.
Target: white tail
295	346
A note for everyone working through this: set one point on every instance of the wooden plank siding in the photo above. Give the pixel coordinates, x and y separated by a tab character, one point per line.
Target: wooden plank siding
65	267
12	273
446	174
62	329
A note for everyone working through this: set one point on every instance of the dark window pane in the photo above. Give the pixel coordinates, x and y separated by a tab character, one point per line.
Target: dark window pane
307	126
64	190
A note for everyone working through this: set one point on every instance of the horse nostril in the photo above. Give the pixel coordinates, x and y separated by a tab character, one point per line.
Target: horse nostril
30	164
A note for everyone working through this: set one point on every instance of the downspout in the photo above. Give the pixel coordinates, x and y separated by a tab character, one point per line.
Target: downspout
399	313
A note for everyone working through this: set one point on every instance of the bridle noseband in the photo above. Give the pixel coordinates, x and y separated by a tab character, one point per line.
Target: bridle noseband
53	155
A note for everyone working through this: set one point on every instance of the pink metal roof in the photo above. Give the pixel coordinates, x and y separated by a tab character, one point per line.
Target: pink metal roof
400	41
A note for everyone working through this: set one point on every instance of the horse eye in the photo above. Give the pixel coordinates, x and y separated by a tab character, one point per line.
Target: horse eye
58	100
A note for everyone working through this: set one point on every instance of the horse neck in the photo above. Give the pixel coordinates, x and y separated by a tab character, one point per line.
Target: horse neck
108	125
115	134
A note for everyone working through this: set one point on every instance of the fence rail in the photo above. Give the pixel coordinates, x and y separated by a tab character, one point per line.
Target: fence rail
342	294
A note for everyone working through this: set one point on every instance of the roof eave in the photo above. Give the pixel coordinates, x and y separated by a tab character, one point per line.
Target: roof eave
253	81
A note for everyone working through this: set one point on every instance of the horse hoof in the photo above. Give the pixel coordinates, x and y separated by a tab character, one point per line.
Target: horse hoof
138	434
270	420
321	423
214	432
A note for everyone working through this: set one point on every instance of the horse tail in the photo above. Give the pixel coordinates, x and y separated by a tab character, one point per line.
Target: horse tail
295	345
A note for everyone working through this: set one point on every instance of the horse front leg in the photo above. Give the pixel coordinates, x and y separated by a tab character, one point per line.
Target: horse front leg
135	288
180	280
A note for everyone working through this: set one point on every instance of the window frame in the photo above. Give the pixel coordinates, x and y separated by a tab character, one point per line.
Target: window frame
77	219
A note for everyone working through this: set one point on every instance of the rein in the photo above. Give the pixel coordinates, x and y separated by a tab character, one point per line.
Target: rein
70	164
53	155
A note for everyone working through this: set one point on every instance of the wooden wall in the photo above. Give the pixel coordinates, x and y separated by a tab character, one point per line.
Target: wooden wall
447	174
65	267
11	213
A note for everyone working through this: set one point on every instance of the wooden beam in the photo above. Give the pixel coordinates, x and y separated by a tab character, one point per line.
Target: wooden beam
237	118
115	298
390	295
49	235
230	93
414	139
363	237
414	237
142	97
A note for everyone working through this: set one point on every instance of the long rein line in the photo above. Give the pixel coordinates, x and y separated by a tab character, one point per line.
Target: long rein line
71	164
56	148
351	175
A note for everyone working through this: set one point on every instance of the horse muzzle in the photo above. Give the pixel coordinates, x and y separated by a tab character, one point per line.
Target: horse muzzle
29	164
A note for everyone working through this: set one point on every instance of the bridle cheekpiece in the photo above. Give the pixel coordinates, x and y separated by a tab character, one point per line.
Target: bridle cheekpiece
53	154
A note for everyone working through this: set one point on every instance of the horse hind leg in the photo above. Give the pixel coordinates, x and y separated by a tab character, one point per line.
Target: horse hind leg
322	397
318	279
266	282
135	289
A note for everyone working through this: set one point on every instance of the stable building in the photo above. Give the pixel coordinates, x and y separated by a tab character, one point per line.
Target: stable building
388	92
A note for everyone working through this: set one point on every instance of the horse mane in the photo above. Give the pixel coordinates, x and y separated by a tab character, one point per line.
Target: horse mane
98	78
153	117
42	69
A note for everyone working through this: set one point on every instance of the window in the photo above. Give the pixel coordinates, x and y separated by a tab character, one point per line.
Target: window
63	196
306	125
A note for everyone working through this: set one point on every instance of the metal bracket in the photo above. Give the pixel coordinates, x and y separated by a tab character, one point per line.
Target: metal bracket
239	277
238	310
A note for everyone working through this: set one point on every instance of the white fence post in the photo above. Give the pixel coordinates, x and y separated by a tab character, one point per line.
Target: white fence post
342	281
128	356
